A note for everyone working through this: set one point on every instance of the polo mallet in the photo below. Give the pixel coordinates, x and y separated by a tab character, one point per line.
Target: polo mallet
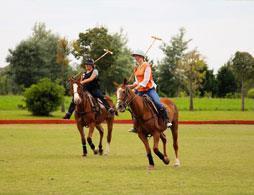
154	39
150	46
106	52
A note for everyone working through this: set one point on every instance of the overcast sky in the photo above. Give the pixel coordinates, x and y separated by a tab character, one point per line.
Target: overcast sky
218	28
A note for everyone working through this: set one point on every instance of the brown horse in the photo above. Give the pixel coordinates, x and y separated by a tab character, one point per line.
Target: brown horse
148	123
85	115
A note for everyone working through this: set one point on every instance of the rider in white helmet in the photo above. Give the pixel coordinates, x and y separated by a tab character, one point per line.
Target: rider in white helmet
144	84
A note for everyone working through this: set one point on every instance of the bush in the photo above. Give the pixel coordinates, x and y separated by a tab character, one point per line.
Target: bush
43	97
250	93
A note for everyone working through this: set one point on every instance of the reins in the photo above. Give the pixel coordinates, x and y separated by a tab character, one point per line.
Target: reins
84	106
127	104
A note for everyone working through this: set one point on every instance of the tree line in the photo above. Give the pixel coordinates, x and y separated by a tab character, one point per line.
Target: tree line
181	72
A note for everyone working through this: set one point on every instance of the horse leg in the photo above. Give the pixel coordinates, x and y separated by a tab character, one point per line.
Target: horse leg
89	138
156	139
174	130
109	136
83	139
148	150
164	141
101	131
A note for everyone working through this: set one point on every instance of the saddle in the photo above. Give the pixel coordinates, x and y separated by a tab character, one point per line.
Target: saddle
96	103
150	104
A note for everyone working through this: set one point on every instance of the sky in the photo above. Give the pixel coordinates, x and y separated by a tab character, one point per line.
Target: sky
218	28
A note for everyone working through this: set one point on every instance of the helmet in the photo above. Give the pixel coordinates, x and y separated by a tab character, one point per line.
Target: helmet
138	53
89	61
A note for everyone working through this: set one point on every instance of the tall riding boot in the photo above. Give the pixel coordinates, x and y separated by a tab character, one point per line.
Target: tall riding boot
70	110
164	114
107	106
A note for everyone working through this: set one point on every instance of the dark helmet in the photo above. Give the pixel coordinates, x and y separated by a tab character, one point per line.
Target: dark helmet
88	61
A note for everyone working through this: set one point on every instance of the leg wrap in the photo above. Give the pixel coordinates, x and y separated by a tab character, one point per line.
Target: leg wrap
158	153
84	149
150	159
89	140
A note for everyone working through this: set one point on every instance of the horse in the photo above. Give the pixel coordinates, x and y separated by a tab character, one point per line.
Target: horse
86	116
148	123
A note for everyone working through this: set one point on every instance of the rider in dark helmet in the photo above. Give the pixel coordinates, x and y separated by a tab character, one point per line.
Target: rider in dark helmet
89	80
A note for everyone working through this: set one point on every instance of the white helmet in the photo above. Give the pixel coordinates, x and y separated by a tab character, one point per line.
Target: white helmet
138	53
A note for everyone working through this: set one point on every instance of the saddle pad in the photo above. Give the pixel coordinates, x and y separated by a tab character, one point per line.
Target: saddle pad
93	103
150	103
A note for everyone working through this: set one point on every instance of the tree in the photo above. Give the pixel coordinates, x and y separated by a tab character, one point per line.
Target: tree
191	70
7	85
243	67
112	67
208	84
122	66
168	82
26	63
35	58
63	50
226	82
48	43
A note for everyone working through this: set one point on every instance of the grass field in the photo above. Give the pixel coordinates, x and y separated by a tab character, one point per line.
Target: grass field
206	109
43	159
200	104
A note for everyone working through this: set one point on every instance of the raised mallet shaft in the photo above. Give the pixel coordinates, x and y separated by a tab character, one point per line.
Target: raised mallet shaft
106	52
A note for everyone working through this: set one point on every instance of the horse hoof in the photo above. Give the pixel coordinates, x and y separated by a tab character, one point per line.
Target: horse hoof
150	167
95	151
84	155
177	163
166	160
100	152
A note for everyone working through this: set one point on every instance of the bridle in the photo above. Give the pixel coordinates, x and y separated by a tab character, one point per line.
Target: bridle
124	101
83	96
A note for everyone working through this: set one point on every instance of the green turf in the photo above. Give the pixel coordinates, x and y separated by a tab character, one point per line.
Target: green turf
46	159
183	115
206	109
214	104
205	104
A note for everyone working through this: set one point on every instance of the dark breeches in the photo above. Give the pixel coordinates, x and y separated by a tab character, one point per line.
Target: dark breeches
98	94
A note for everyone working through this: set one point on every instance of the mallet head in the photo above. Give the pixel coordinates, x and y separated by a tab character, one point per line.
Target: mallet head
108	51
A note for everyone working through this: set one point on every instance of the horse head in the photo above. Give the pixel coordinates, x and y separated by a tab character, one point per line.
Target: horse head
123	96
76	90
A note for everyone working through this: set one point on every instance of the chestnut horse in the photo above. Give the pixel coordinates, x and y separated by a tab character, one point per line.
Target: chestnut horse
148	123
86	116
